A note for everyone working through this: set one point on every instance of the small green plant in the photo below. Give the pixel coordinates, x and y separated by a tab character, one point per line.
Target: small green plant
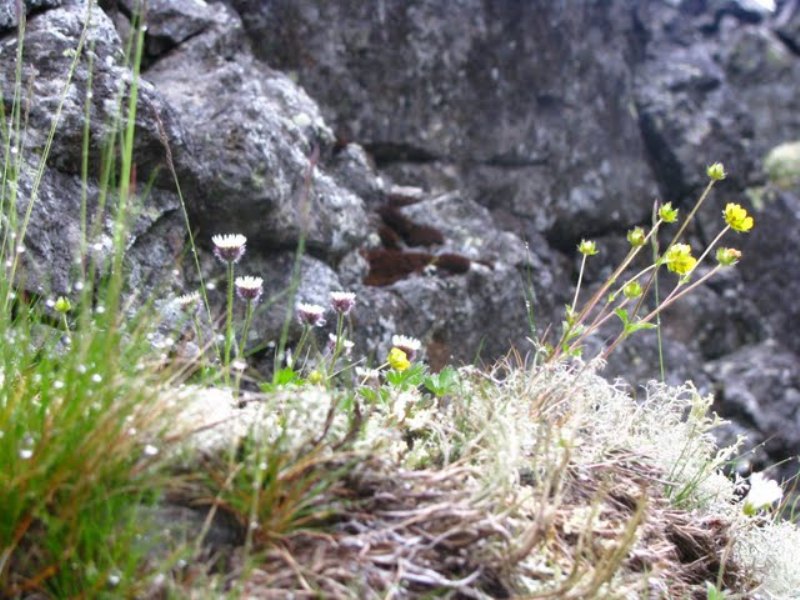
80	437
623	295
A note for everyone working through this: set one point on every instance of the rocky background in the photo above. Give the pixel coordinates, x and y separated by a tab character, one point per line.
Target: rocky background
461	149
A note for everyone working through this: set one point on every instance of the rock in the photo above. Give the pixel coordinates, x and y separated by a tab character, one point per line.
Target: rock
788	25
458	312
8	11
53	236
517	100
689	117
253	137
759	389
770	266
782	165
757	67
169	22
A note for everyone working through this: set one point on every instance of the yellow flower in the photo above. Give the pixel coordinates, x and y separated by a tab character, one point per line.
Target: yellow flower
679	259
587	248
667	213
737	217
716	172
398	360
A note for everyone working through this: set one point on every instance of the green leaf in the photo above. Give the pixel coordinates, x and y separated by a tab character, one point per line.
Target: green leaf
712	593
411	377
442	383
282	378
623	316
632	328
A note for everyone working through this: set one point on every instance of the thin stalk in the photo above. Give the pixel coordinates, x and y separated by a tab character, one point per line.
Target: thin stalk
294	282
85	163
603	289
657	293
713	243
303	339
337	346
228	324
673	297
248	319
162	134
578	286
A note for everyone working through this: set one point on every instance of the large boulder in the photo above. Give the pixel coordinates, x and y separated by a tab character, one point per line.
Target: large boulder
253	137
530	106
758	387
53	91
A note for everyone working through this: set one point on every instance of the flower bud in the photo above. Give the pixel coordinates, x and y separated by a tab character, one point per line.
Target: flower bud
727	257
716	172
62	305
636	237
587	248
667	213
632	290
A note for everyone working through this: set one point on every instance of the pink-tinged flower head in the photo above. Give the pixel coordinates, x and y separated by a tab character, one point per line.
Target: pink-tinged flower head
343	302
229	248
409	345
312	315
249	288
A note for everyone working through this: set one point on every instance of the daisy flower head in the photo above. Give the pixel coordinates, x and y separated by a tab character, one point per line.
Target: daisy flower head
188	300
409	345
229	248
312	315
249	288
343	302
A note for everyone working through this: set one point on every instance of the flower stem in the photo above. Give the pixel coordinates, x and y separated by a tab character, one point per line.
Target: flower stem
229	325
578	287
246	329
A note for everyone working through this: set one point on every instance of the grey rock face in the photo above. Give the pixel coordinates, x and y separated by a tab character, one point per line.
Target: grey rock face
9	19
518	98
53	237
253	133
771	268
759	387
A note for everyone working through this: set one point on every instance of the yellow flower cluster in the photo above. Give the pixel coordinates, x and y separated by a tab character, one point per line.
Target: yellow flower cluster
737	218
679	259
